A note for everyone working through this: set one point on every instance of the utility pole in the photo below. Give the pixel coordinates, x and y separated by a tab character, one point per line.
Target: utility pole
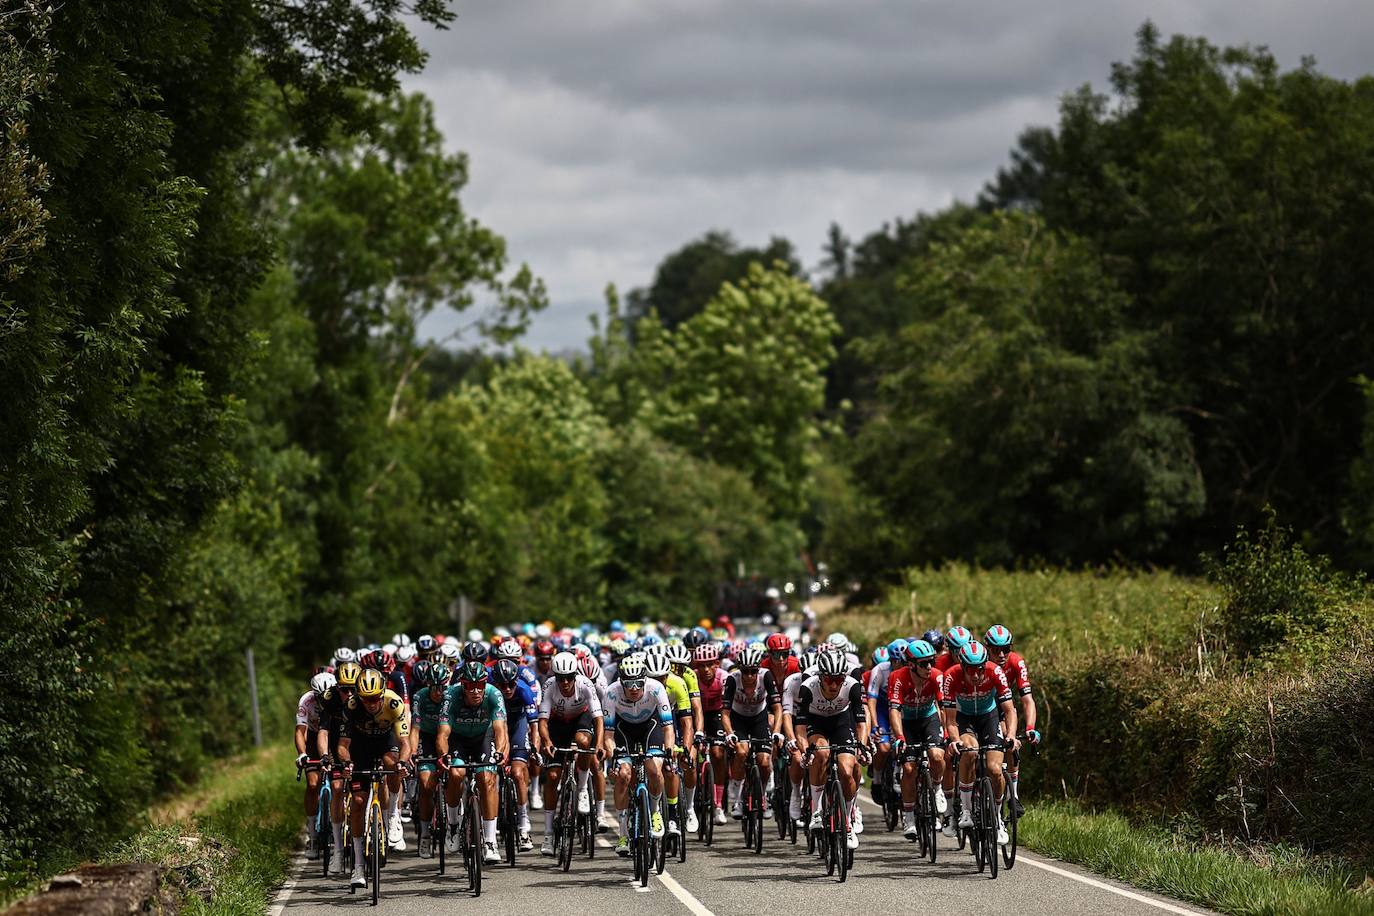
253	695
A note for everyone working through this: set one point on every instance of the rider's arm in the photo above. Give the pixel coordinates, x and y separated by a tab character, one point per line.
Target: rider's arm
344	743
500	740
1009	718
300	740
727	699
894	721
860	715
441	739
803	707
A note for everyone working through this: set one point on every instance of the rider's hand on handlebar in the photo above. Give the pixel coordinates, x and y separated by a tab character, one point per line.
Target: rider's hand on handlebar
699	739
732	739
301	760
1032	737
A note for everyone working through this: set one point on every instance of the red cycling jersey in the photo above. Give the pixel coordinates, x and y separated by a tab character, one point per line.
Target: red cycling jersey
917	699
978	693
792	667
1017	674
712	690
944	661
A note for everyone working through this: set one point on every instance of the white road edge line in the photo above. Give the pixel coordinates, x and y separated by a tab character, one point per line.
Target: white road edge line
1021	856
683	895
283	895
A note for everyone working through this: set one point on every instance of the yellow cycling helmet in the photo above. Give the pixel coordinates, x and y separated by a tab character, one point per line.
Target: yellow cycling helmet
348	674
371	684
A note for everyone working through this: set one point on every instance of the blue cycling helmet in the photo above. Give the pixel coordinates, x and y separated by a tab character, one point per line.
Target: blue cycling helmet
648	640
695	637
958	637
920	650
896	651
973	654
880	655
505	672
999	636
935	638
616	625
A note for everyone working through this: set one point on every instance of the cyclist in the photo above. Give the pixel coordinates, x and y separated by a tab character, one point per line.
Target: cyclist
658	667
591	670
427	647
790	688
522	714
376	735
510	650
780	659
474	716
999	642
957	638
978	692
893	659
830	710
639	714
426	710
309	715
915	693
333	704
569	715
680	660
543	652
711	682
751	708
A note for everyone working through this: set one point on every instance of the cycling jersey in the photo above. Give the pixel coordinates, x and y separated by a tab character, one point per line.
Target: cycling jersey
399	685
877	685
678	699
689	677
944	661
1017	674
585	698
745	702
425	711
652	702
976	694
309	711
789	669
915	698
392	717
521	703
713	690
471	721
789	691
812	703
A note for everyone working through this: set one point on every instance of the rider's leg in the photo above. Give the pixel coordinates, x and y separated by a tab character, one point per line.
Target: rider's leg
488	803
622	798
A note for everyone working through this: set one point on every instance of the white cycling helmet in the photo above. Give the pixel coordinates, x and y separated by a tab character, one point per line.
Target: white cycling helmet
344	654
474	635
564	663
543	631
405	653
389	648
678	654
631	667
751	657
401	639
832	663
656	663
839	640
322	682
451	640
510	649
449	653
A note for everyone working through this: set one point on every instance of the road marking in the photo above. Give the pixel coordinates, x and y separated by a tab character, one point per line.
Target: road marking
284	893
1022	856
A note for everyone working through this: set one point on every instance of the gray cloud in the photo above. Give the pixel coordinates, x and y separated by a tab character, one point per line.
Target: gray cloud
603	135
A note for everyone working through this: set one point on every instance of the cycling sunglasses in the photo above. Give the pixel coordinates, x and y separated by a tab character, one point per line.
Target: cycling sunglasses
636	684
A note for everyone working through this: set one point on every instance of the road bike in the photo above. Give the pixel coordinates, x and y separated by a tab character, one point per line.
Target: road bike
832	841
780	795
705	801
983	834
470	818
374	831
675	844
322	836
751	799
438	820
508	813
645	850
926	817
568	824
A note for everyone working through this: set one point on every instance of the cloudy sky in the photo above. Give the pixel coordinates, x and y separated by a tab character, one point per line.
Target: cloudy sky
603	134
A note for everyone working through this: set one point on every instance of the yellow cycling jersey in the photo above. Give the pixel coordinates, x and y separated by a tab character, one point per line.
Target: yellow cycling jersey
677	695
689	678
392	716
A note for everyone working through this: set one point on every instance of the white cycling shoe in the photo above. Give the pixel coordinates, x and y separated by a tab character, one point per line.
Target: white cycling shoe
852	841
1002	838
950	830
396	834
718	817
909	828
941	803
489	854
584	802
965	819
358	880
537	801
451	844
817	822
692	823
546	848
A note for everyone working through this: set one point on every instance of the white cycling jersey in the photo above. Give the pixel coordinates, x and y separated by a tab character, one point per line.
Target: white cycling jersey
653	700
308	711
745	702
585	697
849	700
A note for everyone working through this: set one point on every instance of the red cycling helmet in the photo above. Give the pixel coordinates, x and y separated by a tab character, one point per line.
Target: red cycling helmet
544	647
381	660
589	667
779	642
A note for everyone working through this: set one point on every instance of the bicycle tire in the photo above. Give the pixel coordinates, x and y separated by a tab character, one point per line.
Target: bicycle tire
756	813
511	823
439	830
931	817
566	825
846	857
829	814
473	830
706	790
378	850
990	827
681	831
324	835
645	844
1009	850
961	837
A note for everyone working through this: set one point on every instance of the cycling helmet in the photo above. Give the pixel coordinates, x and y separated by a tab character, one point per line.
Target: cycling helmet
935	638
420	672
505	672
838	640
474	635
832	664
734	648
619	647
581	651
750	658
426	645
973	654
401	639
564	664
449	654
509	649
650	639
383	661
705	653
957	638
697	636
439	675
617	626
544	647
679	654
999	636
896	651
921	650
348	674
449	640
344	654
390	648
371	684
475	652
591	668
880	655
779	642
321	682
404	654
473	673
632	667
656	663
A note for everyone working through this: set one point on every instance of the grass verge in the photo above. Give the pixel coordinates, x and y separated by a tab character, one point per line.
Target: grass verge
1275	881
246	816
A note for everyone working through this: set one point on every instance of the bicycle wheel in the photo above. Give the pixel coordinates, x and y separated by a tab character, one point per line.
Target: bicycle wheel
960	836
989	807
892	798
829	814
929	817
378	851
510	824
642	838
439	831
845	854
706	793
566	824
1009	850
324	833
473	833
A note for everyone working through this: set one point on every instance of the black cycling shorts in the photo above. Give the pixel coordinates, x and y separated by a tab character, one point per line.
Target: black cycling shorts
987	727
926	730
632	735
470	748
563	732
835	729
367	751
714	724
747	726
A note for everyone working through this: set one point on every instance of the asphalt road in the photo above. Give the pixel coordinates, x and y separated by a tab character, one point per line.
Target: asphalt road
725	879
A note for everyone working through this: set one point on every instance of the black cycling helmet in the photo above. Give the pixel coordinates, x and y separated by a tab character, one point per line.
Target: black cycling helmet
935	638
475	652
695	637
505	672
